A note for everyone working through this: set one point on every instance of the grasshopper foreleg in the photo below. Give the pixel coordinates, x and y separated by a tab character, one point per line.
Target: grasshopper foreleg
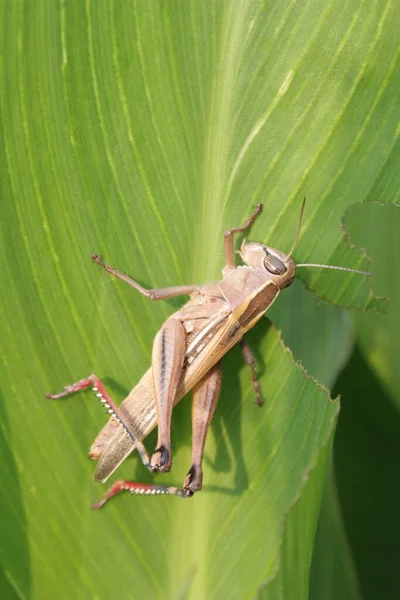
228	240
249	358
99	388
155	294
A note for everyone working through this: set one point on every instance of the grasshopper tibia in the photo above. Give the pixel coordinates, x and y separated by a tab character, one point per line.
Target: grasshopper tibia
99	388
154	294
141	489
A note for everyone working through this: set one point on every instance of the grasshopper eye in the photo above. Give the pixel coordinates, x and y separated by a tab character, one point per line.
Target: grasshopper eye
274	265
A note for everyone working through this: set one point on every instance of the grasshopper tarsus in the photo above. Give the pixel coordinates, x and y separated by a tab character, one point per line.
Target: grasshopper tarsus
83	384
98	505
57	396
259	397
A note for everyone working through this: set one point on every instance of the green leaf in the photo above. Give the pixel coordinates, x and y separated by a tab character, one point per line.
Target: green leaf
142	132
321	337
293	577
367	454
333	573
367	449
379	334
252	479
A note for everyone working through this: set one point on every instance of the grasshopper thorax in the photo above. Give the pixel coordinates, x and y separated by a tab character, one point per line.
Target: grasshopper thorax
274	264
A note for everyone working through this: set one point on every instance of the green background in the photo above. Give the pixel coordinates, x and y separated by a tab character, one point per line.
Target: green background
142	131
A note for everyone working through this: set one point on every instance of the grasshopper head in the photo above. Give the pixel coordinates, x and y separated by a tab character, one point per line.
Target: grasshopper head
278	266
273	263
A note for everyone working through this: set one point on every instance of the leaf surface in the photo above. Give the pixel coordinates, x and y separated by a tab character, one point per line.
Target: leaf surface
142	133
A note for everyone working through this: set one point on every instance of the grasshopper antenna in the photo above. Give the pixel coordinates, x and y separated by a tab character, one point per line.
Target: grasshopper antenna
298	229
337	268
317	265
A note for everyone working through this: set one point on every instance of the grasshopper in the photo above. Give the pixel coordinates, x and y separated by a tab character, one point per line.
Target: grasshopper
186	356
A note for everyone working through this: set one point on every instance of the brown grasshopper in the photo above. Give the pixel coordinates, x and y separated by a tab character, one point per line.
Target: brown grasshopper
186	356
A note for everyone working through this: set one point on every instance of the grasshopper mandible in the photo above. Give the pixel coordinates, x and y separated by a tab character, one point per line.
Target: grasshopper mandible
186	356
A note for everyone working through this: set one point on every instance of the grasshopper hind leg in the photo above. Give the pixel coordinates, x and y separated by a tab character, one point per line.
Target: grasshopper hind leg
141	489
167	364
205	398
99	388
